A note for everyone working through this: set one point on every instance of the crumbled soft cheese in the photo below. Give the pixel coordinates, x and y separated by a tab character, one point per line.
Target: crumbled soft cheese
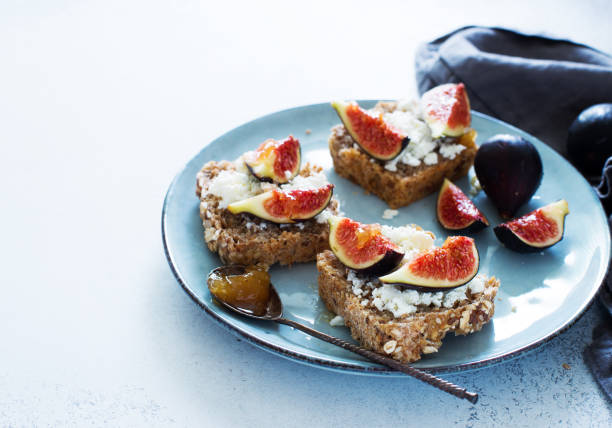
421	143
232	186
430	159
408	237
312	182
324	216
410	105
477	285
450	151
337	321
405	301
389	214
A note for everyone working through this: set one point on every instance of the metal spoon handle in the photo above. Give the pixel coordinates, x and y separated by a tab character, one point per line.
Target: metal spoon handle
441	384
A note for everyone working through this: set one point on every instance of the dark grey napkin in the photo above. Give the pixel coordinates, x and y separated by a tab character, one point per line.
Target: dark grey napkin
540	85
536	83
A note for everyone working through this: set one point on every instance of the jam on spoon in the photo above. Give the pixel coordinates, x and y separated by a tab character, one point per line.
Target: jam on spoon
248	289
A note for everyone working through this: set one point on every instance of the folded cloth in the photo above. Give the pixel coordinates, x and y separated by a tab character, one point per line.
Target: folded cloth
536	83
540	85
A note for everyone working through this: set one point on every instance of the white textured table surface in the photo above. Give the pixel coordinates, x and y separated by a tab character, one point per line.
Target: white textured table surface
101	103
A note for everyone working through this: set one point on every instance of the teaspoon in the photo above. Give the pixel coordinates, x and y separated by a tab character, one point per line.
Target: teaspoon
274	312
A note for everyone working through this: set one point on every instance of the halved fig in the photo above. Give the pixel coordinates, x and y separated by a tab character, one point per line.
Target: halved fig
446	109
456	212
275	161
509	169
375	136
363	247
285	207
535	231
449	266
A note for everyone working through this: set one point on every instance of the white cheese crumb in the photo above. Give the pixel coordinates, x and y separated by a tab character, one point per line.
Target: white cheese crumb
408	237
324	215
430	159
337	321
388	214
450	151
312	182
421	143
231	186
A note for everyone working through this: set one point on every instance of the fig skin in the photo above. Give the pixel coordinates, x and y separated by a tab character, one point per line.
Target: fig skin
589	139
510	241
509	169
380	264
390	260
476	221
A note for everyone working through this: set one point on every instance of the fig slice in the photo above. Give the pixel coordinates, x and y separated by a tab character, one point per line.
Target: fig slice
456	211
535	231
375	136
446	109
275	161
443	268
363	247
285	206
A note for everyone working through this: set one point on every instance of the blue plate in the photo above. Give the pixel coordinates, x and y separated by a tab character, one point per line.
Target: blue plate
541	294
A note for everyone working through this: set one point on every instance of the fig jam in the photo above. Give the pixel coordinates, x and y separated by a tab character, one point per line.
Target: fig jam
249	291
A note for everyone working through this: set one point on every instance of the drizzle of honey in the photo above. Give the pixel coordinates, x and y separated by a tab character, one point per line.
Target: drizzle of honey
249	291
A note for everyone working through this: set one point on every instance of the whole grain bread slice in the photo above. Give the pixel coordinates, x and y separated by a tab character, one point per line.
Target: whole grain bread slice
406	338
249	240
407	184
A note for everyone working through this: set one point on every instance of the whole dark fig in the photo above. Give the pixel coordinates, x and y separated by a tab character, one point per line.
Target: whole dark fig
509	169
589	139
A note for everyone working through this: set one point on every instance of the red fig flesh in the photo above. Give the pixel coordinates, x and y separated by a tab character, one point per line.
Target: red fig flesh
362	246
446	109
456	212
275	161
375	136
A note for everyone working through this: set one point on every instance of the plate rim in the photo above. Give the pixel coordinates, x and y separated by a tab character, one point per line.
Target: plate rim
344	367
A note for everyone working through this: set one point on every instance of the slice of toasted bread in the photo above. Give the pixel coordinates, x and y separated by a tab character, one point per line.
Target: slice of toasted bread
407	184
246	239
408	337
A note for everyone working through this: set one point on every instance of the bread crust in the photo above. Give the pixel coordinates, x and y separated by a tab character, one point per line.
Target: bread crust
406	338
241	238
397	188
